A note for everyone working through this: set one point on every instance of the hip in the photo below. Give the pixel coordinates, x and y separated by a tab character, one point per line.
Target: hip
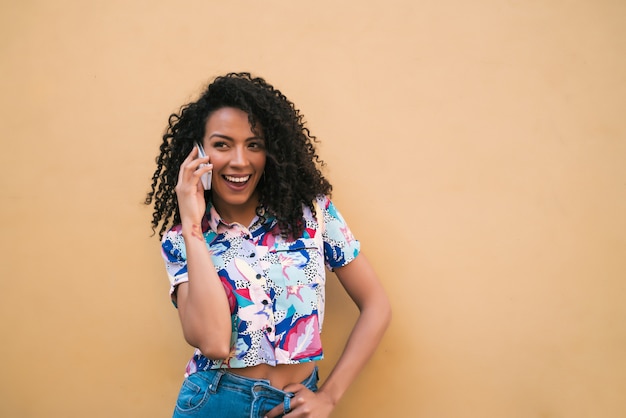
222	393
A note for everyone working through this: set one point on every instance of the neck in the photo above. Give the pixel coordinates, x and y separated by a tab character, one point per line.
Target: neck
242	214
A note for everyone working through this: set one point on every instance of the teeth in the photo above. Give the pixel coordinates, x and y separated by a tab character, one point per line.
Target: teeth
237	179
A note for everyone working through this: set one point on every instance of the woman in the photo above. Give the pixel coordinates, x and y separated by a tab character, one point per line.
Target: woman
246	257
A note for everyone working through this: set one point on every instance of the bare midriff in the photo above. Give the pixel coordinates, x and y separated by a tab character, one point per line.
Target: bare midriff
280	375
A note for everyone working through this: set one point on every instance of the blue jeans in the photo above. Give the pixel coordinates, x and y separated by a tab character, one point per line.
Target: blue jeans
219	393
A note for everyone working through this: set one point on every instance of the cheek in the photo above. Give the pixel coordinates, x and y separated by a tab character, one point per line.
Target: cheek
261	162
218	160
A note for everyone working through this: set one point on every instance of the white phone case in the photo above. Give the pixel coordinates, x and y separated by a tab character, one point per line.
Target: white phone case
206	178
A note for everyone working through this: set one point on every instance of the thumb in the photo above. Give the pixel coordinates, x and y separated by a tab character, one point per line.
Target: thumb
275	412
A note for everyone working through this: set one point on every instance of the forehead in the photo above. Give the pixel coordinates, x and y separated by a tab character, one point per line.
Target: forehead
228	118
232	120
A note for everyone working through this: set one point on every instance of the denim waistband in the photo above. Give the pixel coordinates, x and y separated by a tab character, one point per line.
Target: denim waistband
258	387
224	376
205	392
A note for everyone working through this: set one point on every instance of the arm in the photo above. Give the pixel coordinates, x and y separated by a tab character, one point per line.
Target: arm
202	303
362	284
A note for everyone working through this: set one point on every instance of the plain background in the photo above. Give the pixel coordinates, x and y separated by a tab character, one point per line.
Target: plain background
477	149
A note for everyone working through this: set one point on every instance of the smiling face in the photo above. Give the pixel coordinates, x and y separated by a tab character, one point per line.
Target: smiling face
238	157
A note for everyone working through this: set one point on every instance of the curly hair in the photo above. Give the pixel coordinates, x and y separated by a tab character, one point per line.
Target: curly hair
292	175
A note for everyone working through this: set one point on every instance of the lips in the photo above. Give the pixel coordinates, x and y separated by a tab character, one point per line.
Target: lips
237	183
238	180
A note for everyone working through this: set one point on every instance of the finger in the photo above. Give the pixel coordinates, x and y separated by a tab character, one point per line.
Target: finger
193	159
204	168
191	166
185	163
195	163
275	412
201	173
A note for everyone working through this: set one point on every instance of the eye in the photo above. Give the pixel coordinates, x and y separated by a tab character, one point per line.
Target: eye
257	145
219	144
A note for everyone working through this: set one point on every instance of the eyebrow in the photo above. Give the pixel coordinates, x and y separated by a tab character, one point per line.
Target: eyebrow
218	135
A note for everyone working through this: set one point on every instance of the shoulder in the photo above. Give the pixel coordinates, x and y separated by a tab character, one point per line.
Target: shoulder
325	209
173	244
322	211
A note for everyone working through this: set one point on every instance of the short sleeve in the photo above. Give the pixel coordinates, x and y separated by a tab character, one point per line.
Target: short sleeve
340	246
175	257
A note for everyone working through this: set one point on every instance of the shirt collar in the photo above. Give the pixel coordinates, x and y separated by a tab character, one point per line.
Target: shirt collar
218	225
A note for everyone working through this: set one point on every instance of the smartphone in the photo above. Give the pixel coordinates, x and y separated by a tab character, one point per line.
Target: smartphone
206	177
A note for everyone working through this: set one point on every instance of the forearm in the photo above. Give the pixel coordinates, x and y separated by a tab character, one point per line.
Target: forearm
364	338
202	303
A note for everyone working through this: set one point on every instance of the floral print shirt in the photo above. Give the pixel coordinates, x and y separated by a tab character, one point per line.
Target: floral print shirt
275	287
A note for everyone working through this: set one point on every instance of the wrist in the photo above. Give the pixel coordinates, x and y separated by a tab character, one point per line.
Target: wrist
327	393
192	231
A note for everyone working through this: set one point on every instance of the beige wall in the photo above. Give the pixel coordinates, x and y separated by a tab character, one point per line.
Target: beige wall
478	150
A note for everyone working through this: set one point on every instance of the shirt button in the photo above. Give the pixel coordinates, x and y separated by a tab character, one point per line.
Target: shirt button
268	329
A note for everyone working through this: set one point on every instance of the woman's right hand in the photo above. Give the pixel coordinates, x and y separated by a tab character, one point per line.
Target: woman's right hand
189	190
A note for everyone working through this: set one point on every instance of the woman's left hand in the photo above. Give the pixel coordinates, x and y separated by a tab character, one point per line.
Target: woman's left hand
304	403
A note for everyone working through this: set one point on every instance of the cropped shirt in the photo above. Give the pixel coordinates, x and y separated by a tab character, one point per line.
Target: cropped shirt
275	287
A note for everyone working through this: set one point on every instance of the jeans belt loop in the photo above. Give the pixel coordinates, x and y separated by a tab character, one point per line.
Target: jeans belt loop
216	381
287	402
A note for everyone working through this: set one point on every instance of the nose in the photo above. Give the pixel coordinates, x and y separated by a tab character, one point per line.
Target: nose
239	157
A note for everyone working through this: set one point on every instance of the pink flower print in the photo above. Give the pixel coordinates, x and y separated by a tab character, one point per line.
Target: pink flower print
347	234
303	340
294	291
294	258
